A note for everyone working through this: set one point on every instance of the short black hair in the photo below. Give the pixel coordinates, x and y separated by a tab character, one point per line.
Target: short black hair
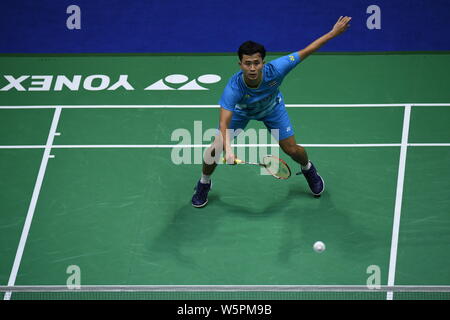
251	47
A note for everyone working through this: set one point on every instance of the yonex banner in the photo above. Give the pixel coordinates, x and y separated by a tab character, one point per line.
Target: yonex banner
200	79
148	26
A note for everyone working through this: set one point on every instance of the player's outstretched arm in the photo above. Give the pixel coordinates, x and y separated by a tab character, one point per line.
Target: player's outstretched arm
341	25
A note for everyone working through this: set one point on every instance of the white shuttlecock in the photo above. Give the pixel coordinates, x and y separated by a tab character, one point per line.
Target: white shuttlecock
319	246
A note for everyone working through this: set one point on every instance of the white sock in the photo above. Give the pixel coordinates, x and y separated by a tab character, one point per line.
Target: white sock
205	179
307	167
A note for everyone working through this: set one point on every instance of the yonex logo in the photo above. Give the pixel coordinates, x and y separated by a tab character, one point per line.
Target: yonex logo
170	82
100	82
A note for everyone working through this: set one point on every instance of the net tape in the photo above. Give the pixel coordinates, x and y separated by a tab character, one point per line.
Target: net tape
224	288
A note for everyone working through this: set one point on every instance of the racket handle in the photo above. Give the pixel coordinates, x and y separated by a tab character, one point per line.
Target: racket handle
236	161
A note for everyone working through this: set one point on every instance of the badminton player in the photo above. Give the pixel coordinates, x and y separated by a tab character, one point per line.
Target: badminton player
252	93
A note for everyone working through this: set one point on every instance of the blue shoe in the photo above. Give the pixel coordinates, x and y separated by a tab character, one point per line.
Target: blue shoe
315	182
200	197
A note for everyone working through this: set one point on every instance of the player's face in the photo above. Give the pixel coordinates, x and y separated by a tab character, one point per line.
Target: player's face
252	66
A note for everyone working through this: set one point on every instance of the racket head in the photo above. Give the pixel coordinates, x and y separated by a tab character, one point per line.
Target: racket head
276	167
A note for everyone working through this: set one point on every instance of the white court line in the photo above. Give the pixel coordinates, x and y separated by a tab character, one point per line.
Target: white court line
428	144
354	105
23	147
398	200
233	145
115	107
34	199
168	146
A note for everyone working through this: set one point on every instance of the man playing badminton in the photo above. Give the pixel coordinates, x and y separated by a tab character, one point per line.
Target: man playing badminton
253	93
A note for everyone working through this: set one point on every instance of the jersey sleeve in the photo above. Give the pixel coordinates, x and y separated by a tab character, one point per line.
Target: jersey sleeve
285	64
230	97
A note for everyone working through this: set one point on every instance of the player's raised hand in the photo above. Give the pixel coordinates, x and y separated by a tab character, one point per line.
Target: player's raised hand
341	25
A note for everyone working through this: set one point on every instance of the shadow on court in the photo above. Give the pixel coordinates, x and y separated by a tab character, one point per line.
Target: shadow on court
302	218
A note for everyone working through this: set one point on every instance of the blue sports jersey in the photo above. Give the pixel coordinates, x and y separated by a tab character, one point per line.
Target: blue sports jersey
255	103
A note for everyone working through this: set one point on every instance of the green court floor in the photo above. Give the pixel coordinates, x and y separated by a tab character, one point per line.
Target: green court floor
114	203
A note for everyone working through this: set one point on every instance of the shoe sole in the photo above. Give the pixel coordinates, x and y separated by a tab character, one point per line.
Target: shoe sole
200	206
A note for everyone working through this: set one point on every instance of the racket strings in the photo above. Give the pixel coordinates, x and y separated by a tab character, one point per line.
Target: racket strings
276	167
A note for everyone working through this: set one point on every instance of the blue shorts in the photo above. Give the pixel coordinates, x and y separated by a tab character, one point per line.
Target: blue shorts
277	119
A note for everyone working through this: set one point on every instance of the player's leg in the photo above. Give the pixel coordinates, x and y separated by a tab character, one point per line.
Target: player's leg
210	159
279	119
296	152
200	197
299	155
